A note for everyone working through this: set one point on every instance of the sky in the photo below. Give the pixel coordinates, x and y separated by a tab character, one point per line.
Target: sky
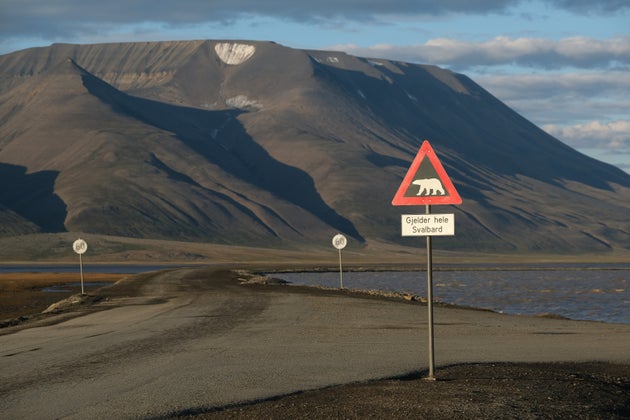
562	64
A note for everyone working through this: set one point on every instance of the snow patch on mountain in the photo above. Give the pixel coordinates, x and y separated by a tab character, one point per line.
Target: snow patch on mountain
234	53
243	102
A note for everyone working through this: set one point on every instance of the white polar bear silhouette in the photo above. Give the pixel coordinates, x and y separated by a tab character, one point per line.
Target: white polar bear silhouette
429	186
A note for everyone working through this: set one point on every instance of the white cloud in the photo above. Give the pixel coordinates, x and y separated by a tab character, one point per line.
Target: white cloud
614	135
579	52
585	84
563	98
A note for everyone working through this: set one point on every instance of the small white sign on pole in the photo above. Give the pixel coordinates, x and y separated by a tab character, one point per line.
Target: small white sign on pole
428	224
339	241
80	246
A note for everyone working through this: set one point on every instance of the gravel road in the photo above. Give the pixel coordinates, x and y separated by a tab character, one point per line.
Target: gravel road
191	339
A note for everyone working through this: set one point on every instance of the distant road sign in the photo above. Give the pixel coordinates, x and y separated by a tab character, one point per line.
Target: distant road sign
426	182
79	246
339	241
428	224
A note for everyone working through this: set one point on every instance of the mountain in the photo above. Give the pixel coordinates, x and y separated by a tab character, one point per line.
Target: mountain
254	143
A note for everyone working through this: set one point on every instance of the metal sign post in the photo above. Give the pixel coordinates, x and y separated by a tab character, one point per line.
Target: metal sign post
80	246
430	303
339	241
427	183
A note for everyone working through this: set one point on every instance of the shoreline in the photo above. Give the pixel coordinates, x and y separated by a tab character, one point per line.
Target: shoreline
139	267
380	294
598	296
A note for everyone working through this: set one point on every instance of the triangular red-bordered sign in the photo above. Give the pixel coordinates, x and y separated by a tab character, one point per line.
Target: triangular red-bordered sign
426	182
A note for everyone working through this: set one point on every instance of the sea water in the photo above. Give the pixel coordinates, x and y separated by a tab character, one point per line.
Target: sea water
595	294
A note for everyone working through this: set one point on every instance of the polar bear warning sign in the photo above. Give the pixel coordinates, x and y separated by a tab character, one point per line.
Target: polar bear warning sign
426	182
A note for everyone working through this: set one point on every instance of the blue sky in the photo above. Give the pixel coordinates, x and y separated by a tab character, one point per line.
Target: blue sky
563	64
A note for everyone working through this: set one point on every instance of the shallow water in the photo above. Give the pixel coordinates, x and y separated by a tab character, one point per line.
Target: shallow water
65	287
584	294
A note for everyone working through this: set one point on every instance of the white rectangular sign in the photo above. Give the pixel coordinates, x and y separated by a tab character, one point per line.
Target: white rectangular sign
428	224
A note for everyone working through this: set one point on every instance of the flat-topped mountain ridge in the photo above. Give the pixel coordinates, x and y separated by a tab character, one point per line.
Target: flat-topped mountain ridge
253	143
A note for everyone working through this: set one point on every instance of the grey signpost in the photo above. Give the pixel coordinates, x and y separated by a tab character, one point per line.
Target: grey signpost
427	183
430	303
339	241
80	246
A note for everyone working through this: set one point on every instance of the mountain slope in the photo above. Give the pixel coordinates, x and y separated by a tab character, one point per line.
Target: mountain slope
255	143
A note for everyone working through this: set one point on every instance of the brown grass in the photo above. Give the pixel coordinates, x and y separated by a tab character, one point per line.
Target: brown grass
22	294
